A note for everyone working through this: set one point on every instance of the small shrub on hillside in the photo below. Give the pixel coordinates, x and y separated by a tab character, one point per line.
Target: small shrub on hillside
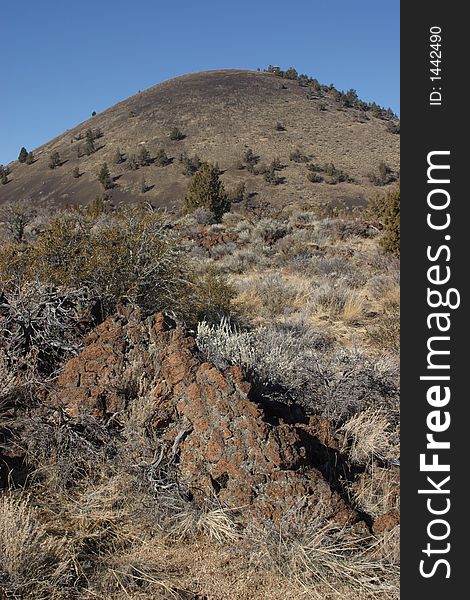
336	175
212	297
90	142
305	364
393	127
298	157
42	325
343	229
221	250
243	260
385	334
93	134
386	209
16	216
367	436
249	159
331	266
264	353
207	191
271	177
204	216
161	158
391	239
269	231
129	255
132	163
143	157
176	134
89	147
382	176
279	127
143	186
314	168
271	295
118	157
76	172
238	194
314	177
30	158
190	164
98	206
54	160
331	297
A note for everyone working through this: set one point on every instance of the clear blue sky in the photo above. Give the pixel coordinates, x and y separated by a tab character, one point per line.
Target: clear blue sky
62	60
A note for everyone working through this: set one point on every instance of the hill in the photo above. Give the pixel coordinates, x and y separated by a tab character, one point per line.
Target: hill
220	115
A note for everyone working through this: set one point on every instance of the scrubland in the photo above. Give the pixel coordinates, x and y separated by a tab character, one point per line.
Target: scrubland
305	301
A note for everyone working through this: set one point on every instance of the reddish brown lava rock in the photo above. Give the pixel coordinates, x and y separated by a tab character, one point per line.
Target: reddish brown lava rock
225	443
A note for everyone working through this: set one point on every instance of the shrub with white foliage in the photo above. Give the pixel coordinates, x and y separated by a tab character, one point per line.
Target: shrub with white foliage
304	366
310	371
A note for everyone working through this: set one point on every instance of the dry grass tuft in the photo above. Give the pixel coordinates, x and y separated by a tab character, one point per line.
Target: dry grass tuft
377	490
367	436
216	524
323	562
354	308
33	563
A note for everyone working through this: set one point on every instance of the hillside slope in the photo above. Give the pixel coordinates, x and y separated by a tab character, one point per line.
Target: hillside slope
221	114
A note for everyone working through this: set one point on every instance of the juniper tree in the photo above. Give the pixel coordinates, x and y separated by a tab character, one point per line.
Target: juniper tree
207	191
4	172
104	177
250	160
30	158
22	155
54	160
89	147
391	220
90	143
191	164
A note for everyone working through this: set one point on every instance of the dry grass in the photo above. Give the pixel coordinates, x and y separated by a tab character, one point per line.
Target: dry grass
33	564
95	545
377	490
111	519
216	524
354	309
367	436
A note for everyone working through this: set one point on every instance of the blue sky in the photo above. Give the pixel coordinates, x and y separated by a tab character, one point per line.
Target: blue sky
62	60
